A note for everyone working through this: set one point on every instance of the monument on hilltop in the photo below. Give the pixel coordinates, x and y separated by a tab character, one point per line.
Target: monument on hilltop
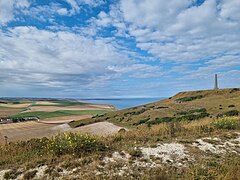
216	82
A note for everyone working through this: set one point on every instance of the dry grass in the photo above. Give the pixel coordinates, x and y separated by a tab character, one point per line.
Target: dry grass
211	167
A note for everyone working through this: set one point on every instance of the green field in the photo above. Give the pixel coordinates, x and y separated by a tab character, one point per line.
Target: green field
43	115
5	107
61	104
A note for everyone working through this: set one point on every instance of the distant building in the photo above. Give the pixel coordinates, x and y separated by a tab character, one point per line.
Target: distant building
5	121
216	82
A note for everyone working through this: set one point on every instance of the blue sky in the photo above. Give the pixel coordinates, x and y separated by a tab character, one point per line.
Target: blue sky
117	48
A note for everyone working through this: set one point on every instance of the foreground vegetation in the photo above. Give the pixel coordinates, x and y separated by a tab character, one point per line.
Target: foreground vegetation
87	153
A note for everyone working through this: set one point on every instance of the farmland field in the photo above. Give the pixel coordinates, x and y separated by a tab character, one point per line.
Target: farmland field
8	111
44	115
28	130
65	119
52	117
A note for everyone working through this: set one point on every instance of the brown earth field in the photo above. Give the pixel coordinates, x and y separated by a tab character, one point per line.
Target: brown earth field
8	111
46	103
71	108
32	129
64	119
15	105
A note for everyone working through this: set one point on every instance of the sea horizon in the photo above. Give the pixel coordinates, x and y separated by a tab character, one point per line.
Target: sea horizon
122	103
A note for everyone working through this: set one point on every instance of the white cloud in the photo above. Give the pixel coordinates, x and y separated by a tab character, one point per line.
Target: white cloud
62	11
27	49
178	31
76	4
139	70
6	11
7	8
62	59
230	9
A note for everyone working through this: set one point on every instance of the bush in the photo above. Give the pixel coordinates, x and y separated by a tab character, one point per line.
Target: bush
191	117
192	111
235	90
12	174
231	113
74	143
161	120
188	98
135	152
143	121
227	123
30	174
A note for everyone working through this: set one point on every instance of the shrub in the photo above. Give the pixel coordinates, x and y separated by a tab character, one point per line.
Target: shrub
235	90
192	114
74	143
227	123
231	113
191	117
230	106
12	174
30	174
161	120
143	121
192	111
188	98
135	152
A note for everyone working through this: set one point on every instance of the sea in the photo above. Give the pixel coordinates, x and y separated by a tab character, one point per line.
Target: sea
123	103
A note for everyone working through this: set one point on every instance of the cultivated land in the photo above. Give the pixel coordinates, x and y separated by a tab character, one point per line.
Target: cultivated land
192	135
48	116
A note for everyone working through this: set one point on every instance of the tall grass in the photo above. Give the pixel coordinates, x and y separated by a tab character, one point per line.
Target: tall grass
68	147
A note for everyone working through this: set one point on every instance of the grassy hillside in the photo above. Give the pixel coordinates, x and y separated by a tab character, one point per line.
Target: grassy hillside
164	151
168	140
184	106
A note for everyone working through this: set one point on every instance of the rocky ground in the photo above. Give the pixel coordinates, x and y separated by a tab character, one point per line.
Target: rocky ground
178	153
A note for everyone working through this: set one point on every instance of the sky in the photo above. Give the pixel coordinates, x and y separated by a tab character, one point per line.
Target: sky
117	48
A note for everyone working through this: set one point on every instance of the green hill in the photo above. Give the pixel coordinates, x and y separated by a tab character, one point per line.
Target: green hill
184	106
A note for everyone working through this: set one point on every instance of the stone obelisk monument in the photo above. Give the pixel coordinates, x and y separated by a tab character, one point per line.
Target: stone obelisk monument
216	82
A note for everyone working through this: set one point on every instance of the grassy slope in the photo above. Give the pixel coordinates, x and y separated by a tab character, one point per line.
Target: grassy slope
89	158
214	101
43	115
31	154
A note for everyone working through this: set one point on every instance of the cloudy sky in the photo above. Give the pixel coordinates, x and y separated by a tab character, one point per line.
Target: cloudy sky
117	48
